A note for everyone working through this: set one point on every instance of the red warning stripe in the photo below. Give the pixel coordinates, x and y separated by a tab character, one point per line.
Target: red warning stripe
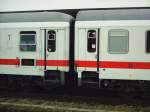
9	61
38	62
90	64
52	63
114	64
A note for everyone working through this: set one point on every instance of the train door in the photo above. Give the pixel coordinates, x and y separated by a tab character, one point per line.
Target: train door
54	54
51	49
92	51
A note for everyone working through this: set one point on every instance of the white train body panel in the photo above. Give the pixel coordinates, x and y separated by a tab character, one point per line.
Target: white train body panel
11	55
133	65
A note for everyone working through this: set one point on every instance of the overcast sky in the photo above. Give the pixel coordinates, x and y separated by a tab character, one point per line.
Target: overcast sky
29	5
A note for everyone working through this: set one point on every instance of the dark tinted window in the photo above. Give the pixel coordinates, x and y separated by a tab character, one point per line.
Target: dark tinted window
27	62
91	41
51	41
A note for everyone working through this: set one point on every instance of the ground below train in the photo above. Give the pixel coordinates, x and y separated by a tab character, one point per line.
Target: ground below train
71	100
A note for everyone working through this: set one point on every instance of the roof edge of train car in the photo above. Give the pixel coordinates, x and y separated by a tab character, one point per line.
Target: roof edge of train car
35	17
113	14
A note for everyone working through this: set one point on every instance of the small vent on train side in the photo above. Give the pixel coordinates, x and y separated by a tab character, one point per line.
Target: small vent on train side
27	62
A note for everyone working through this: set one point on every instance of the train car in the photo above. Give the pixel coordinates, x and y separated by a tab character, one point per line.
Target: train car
112	45
35	45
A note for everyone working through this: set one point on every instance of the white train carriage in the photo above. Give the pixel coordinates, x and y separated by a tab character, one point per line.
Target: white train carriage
35	44
112	44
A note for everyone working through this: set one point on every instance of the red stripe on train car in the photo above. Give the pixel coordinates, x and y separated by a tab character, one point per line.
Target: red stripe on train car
9	61
141	65
52	63
91	64
114	64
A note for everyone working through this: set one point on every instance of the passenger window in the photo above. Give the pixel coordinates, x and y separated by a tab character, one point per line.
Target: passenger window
148	42
51	41
118	41
91	40
27	41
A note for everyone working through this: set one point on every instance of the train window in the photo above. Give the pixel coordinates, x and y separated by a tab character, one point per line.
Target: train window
27	62
51	41
118	41
91	40
27	41
148	42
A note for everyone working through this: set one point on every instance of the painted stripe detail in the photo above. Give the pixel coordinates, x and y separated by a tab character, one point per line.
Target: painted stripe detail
90	64
38	62
52	63
9	61
114	64
86	63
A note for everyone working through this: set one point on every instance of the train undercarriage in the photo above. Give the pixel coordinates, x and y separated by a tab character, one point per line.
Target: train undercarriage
31	83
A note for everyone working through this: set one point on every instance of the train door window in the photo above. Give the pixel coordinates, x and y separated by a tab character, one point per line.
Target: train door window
148	42
51	41
27	41
118	41
91	40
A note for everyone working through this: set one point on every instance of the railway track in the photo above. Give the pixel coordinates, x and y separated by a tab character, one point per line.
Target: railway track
53	107
78	99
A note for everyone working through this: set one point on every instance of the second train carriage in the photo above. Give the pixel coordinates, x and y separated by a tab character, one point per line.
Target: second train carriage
35	45
112	44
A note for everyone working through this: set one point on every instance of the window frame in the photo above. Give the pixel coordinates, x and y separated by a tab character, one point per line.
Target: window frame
92	37
35	43
51	40
110	52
